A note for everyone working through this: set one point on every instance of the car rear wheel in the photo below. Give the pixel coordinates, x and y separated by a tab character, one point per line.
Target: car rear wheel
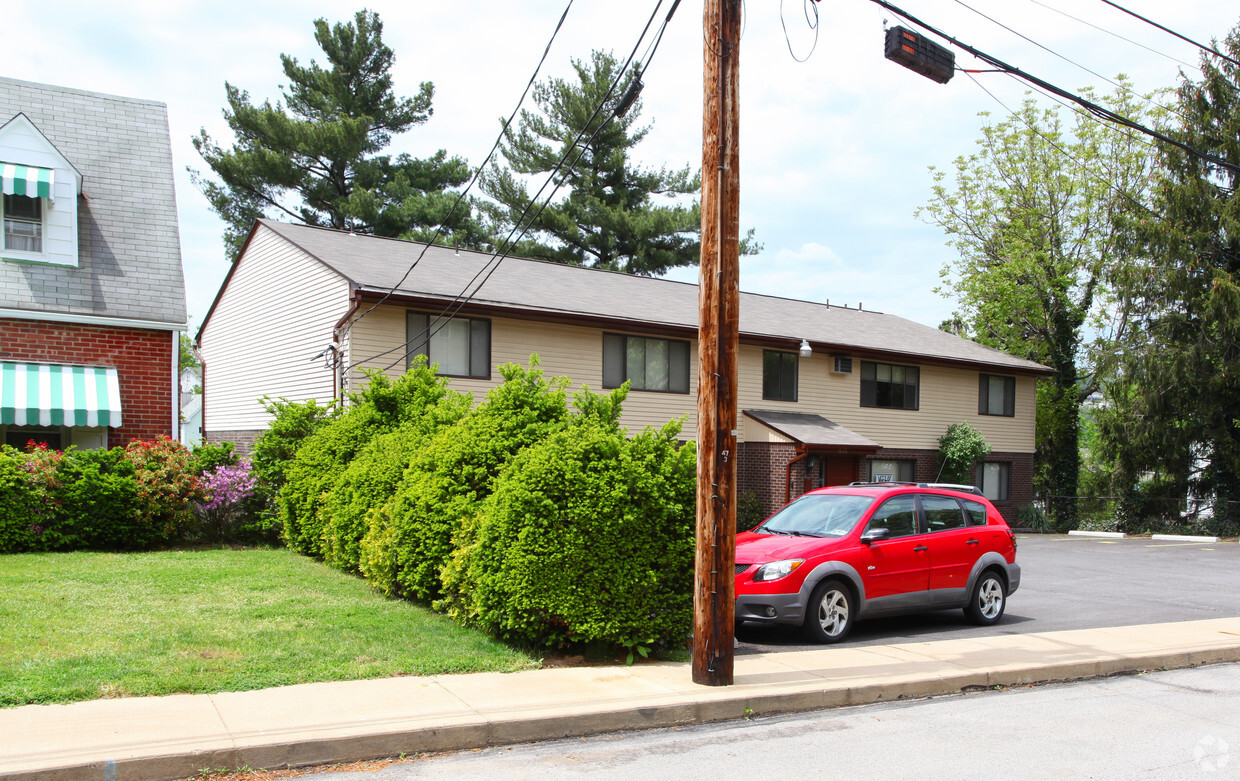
988	601
829	614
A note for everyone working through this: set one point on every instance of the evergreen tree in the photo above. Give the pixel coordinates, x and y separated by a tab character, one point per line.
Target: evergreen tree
1033	216
1174	403
315	157
610	217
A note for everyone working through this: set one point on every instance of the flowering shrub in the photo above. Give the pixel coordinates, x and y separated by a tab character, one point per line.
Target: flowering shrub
228	490
167	485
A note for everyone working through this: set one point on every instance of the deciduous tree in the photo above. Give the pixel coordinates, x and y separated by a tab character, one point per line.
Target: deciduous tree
1034	216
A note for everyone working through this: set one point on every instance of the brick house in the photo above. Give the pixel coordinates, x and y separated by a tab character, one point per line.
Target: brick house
92	298
827	395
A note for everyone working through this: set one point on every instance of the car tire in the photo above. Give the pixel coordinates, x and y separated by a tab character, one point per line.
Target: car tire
988	600
830	613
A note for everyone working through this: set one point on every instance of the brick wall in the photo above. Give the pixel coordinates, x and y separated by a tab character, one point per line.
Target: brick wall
244	440
763	466
142	357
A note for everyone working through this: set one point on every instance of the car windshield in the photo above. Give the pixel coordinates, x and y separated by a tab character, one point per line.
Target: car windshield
818	515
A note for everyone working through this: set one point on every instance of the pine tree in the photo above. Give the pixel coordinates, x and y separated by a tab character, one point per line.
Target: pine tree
1174	402
610	216
314	158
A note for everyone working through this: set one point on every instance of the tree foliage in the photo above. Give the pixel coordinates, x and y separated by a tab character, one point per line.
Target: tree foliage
315	157
1035	216
616	214
1173	403
960	449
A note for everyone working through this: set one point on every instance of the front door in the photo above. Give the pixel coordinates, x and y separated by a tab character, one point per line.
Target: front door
840	470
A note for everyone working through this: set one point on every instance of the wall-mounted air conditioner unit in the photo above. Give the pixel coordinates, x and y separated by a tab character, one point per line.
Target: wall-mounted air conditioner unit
842	365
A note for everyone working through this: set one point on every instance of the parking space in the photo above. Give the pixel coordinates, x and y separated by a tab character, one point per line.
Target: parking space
1070	582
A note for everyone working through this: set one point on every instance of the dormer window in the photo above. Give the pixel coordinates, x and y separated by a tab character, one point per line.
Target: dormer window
23	223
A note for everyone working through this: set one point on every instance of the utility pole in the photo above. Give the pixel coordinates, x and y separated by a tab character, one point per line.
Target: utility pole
714	592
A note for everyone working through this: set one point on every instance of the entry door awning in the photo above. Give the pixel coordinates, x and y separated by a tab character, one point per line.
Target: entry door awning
26	180
48	394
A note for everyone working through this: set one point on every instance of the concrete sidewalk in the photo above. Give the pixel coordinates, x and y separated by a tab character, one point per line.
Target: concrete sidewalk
323	723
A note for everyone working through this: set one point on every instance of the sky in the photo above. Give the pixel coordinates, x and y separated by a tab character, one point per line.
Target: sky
836	151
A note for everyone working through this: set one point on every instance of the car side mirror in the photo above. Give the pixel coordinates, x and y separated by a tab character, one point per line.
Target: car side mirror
871	535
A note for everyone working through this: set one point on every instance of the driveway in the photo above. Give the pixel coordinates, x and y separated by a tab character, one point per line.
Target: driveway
1068	583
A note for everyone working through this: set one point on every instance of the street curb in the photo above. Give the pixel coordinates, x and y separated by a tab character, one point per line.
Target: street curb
1183	538
714	705
1116	535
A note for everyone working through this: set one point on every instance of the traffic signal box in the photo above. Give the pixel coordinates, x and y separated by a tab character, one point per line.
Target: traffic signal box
917	53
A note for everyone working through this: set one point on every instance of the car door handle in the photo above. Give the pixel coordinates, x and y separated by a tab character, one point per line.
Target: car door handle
920	548
971	542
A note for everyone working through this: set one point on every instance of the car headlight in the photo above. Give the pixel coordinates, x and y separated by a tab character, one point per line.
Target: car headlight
777	569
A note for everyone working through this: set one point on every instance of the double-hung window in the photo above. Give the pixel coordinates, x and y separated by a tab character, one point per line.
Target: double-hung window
648	364
23	223
889	386
994	478
779	375
996	395
460	345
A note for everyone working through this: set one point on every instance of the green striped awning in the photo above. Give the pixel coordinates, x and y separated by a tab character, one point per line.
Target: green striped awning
26	180
43	394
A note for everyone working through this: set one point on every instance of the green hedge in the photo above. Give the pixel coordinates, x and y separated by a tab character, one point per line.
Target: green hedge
408	543
587	538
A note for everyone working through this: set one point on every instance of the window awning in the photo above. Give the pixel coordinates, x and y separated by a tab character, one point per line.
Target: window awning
42	394
26	180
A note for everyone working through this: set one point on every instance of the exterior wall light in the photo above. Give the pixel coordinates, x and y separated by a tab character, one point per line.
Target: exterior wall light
806	351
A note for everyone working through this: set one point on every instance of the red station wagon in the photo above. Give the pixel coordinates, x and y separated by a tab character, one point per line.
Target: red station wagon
839	554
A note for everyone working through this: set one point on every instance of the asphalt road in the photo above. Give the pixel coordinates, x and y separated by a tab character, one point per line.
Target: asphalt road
1180	724
1068	583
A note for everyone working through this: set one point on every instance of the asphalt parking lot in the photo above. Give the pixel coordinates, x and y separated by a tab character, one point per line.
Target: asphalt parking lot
1068	583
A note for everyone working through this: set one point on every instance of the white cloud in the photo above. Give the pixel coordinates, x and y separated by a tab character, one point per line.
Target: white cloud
834	150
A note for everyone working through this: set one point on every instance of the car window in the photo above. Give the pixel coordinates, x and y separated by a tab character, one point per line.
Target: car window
898	515
942	512
819	515
976	512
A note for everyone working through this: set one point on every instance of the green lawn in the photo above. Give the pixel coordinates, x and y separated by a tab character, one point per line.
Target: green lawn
79	626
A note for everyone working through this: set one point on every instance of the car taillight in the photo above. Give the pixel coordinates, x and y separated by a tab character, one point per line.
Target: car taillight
1012	537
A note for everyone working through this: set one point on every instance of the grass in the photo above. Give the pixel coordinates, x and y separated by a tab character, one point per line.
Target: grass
80	626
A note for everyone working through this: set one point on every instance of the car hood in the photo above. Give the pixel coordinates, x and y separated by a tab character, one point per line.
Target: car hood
760	548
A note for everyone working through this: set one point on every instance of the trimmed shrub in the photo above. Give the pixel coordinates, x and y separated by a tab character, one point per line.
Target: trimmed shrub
587	539
20	513
452	474
98	505
206	457
322	458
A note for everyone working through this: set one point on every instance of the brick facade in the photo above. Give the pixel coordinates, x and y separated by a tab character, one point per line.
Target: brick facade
763	466
244	440
143	359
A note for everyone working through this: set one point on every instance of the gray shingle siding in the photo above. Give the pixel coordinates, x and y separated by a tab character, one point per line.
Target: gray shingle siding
129	249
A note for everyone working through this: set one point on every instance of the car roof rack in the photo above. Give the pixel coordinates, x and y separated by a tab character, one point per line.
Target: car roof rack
971	489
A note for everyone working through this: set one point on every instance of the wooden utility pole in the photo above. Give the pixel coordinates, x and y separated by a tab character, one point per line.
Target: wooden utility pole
714	591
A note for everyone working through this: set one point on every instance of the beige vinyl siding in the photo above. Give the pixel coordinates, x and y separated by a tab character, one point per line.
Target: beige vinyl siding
276	314
947	396
564	350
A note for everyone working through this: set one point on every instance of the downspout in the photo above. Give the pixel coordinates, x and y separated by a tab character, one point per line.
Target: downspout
176	386
202	389
788	474
339	370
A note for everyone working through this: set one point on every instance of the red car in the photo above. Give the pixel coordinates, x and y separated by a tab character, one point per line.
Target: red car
839	554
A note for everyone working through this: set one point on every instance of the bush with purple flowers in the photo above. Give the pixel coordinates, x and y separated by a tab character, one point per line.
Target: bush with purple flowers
228	507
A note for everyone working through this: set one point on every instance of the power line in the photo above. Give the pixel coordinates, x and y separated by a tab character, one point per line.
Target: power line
1066	59
474	179
492	264
1115	34
1098	111
1203	47
813	25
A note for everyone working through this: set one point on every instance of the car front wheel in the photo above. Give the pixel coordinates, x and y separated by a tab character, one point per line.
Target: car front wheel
988	601
829	614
